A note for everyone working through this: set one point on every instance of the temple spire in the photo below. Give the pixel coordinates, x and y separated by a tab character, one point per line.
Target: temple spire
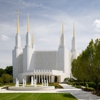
28	25
60	41
62	27
18	27
73	40
33	46
73	29
32	39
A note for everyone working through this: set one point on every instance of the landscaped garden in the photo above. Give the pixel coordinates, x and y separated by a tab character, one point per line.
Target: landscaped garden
36	96
85	86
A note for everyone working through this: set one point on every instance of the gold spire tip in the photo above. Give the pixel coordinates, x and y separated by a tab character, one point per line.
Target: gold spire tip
32	38
18	26
60	41
73	29
28	24
62	27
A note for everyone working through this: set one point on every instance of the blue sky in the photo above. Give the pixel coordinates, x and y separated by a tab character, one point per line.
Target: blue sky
45	22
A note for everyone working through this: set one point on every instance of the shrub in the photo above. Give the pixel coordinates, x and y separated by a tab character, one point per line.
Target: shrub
72	80
1	81
78	86
66	79
91	84
70	83
88	89
87	85
98	93
6	78
56	85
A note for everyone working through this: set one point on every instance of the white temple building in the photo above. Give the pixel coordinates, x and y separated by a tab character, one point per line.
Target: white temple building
53	66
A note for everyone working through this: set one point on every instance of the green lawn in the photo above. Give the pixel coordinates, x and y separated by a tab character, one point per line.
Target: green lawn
36	96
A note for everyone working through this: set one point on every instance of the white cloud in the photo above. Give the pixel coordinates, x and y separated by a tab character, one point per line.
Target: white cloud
28	4
97	25
4	37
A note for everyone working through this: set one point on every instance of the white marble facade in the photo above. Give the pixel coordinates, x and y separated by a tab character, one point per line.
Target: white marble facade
42	65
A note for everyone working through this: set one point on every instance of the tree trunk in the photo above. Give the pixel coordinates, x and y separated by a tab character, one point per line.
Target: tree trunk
84	83
97	87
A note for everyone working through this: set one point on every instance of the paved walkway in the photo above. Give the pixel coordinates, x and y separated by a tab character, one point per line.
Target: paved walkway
78	93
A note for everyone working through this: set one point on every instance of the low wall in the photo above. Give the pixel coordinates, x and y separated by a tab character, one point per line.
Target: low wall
30	88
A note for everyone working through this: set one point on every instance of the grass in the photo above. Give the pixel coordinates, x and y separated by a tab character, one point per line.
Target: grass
36	96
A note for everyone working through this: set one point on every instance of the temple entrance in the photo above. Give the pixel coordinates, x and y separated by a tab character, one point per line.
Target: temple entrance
55	79
40	78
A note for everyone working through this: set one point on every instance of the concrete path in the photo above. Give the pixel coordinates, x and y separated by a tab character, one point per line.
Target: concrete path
78	93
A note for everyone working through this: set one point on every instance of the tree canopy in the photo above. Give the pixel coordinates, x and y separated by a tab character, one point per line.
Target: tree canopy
2	71
9	69
6	78
87	65
6	74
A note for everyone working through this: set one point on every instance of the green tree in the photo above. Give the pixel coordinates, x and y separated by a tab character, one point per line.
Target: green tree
1	81
95	74
78	67
87	66
92	69
75	69
2	71
6	78
9	70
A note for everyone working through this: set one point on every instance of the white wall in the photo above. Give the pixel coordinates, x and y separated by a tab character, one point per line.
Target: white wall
60	59
17	62
45	60
27	59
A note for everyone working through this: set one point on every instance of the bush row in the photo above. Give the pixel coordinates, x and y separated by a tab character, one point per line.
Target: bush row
56	85
90	84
